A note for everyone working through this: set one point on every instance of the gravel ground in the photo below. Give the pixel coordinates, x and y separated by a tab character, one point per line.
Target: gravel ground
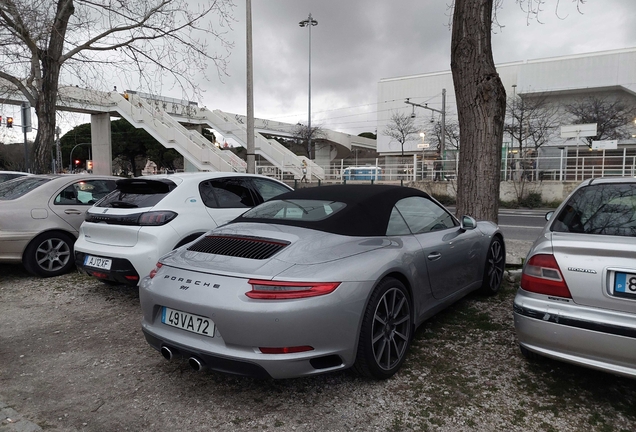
73	358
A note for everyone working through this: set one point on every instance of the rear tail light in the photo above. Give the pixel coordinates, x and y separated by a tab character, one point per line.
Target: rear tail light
542	275
154	271
156	218
153	218
277	290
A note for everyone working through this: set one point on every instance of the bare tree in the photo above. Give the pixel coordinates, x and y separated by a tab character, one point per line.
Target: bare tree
303	133
451	140
402	129
45	44
531	121
613	116
481	103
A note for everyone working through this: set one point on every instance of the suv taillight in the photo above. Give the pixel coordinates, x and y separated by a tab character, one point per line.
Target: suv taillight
152	218
542	275
155	218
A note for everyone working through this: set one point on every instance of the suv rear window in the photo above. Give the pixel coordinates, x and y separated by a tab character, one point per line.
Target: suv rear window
137	193
20	186
605	209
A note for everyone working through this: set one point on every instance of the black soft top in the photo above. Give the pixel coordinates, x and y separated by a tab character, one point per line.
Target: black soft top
367	211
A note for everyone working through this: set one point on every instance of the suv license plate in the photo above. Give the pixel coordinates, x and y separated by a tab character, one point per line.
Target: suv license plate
97	262
625	284
186	321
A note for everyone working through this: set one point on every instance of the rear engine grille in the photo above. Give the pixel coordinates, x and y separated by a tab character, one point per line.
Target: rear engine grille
243	247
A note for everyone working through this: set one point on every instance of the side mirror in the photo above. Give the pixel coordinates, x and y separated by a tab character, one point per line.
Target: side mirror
467	223
549	215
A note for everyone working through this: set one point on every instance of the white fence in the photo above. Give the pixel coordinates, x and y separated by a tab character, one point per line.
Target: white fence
560	168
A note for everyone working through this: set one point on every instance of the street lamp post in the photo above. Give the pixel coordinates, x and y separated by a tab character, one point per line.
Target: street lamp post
309	22
251	162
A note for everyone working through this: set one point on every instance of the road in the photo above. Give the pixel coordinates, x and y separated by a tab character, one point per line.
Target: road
521	224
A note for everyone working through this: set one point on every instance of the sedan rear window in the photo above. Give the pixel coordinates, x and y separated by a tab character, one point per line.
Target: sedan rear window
306	210
137	193
18	187
605	209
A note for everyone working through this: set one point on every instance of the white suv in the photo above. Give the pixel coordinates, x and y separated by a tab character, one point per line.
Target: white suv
146	217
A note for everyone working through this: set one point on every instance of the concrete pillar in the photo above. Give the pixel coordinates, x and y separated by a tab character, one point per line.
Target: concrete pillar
189	166
101	146
322	155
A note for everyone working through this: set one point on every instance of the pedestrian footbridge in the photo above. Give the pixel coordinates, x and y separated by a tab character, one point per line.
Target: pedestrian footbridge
177	124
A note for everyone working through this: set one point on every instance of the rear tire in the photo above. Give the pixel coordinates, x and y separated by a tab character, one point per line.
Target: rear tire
387	328
494	267
49	254
530	355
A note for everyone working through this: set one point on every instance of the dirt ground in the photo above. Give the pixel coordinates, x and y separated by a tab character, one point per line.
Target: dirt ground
73	358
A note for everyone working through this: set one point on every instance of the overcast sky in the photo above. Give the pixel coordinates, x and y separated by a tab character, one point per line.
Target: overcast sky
358	42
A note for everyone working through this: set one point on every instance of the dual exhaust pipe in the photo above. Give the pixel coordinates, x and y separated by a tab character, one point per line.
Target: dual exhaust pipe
195	363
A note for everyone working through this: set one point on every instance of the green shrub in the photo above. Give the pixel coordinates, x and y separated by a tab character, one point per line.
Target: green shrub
445	200
533	200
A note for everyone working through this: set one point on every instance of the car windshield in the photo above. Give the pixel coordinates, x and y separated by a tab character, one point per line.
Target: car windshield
18	187
605	209
307	210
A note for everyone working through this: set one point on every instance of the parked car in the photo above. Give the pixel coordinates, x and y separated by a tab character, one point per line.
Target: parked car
146	217
577	300
40	216
318	280
9	175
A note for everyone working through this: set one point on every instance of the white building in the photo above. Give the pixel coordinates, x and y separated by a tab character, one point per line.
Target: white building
560	79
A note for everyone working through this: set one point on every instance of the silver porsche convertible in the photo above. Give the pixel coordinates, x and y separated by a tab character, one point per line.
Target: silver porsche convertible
317	280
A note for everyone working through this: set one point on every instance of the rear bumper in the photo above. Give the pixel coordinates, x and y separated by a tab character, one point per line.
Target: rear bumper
590	337
212	362
122	271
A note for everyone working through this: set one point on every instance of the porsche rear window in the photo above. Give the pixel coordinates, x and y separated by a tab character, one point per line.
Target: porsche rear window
306	210
18	187
604	209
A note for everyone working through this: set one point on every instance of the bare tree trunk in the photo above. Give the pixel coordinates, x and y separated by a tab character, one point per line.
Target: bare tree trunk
481	106
51	61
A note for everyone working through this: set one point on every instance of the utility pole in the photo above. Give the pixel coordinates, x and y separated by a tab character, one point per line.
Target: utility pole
251	162
442	143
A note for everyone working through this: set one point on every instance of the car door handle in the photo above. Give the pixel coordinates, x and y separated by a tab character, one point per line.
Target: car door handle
72	212
434	256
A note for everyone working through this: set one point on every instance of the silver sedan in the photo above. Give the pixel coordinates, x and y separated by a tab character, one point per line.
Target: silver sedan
577	301
40	216
318	280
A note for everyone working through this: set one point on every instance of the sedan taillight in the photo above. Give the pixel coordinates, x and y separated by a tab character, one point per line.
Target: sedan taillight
542	275
277	290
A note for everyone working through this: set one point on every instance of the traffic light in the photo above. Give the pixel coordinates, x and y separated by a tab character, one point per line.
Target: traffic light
9	122
77	162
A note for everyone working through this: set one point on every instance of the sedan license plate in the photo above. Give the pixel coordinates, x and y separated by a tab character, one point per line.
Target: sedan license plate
97	262
625	285
186	321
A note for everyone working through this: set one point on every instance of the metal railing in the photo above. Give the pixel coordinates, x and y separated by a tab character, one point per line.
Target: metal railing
570	168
